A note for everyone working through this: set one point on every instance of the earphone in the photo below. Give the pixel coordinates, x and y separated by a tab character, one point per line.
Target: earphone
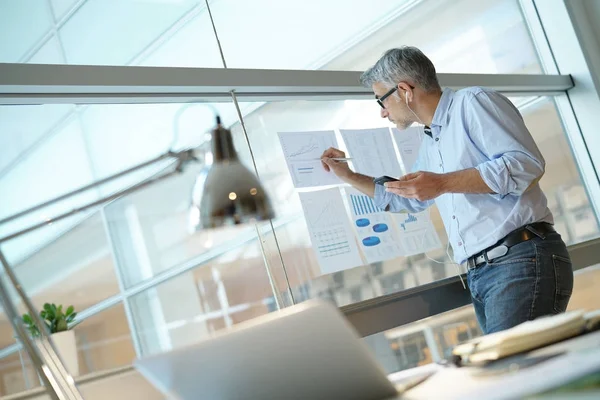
411	110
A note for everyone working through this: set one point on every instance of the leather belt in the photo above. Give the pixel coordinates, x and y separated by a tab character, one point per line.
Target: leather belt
523	234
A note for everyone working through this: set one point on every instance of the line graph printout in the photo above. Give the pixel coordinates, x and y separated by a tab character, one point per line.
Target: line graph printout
417	233
408	142
378	239
330	231
372	151
302	151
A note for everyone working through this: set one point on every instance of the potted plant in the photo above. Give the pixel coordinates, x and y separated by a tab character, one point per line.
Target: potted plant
58	323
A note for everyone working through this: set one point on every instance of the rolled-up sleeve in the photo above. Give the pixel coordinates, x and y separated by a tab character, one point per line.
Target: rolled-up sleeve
394	203
497	128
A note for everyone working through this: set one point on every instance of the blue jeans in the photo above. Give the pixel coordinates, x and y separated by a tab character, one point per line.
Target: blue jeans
534	278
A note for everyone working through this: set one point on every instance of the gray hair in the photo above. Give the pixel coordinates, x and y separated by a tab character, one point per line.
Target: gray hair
403	64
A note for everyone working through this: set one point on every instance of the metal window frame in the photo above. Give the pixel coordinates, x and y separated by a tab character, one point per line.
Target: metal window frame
26	84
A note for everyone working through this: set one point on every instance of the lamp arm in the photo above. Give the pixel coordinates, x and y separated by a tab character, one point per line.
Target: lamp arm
183	157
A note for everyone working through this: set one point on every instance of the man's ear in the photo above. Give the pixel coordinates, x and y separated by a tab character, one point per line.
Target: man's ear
405	87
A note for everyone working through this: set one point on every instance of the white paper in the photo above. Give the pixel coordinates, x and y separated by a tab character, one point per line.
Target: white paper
377	237
330	231
372	151
408	142
303	151
417	233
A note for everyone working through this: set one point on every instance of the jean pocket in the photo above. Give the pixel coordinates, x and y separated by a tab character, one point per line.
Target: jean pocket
563	275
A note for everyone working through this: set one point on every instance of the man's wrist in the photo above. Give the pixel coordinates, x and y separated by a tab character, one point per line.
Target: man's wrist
445	183
350	177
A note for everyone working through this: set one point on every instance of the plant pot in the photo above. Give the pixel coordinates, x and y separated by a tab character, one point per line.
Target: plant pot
66	346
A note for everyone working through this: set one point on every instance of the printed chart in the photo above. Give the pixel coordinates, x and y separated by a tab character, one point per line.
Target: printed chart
417	233
372	151
378	239
330	231
302	151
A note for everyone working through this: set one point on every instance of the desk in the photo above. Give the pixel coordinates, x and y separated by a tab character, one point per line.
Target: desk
580	357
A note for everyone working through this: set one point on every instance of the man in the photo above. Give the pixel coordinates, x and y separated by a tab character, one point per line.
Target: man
480	165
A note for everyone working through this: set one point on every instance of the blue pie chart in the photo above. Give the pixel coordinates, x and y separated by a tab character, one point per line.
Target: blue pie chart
380	228
371	241
362	222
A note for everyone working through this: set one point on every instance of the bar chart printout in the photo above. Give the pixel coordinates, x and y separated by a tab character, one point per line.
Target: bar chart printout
377	236
330	232
302	151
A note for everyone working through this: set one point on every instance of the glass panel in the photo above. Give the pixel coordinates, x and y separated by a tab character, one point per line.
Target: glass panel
423	342
104	341
396	274
217	294
49	53
433	339
22	24
567	197
105	24
75	269
25	183
61	7
459	36
150	227
585	289
23	127
84	144
17	373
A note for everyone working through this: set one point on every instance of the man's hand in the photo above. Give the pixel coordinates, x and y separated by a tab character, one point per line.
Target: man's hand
340	168
420	185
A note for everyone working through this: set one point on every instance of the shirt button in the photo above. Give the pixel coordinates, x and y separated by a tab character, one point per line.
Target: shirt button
460	243
441	165
454	217
437	139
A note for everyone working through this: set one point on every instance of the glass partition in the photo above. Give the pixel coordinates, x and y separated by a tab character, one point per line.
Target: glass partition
179	287
215	295
562	184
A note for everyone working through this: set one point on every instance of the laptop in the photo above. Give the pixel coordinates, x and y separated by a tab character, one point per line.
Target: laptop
307	351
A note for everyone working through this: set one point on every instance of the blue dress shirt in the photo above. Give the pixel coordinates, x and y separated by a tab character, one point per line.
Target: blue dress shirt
479	128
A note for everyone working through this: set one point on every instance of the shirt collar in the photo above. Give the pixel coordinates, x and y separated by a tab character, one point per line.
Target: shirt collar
440	117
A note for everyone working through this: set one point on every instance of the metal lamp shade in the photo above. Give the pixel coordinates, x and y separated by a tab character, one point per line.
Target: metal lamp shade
229	194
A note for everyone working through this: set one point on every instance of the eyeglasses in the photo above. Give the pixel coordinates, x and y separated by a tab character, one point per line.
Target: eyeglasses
385	96
381	99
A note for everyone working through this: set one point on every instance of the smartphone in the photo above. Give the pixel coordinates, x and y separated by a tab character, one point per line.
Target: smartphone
383	179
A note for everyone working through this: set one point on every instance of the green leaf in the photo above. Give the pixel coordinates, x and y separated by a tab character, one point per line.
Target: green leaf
27	319
47	306
70	310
